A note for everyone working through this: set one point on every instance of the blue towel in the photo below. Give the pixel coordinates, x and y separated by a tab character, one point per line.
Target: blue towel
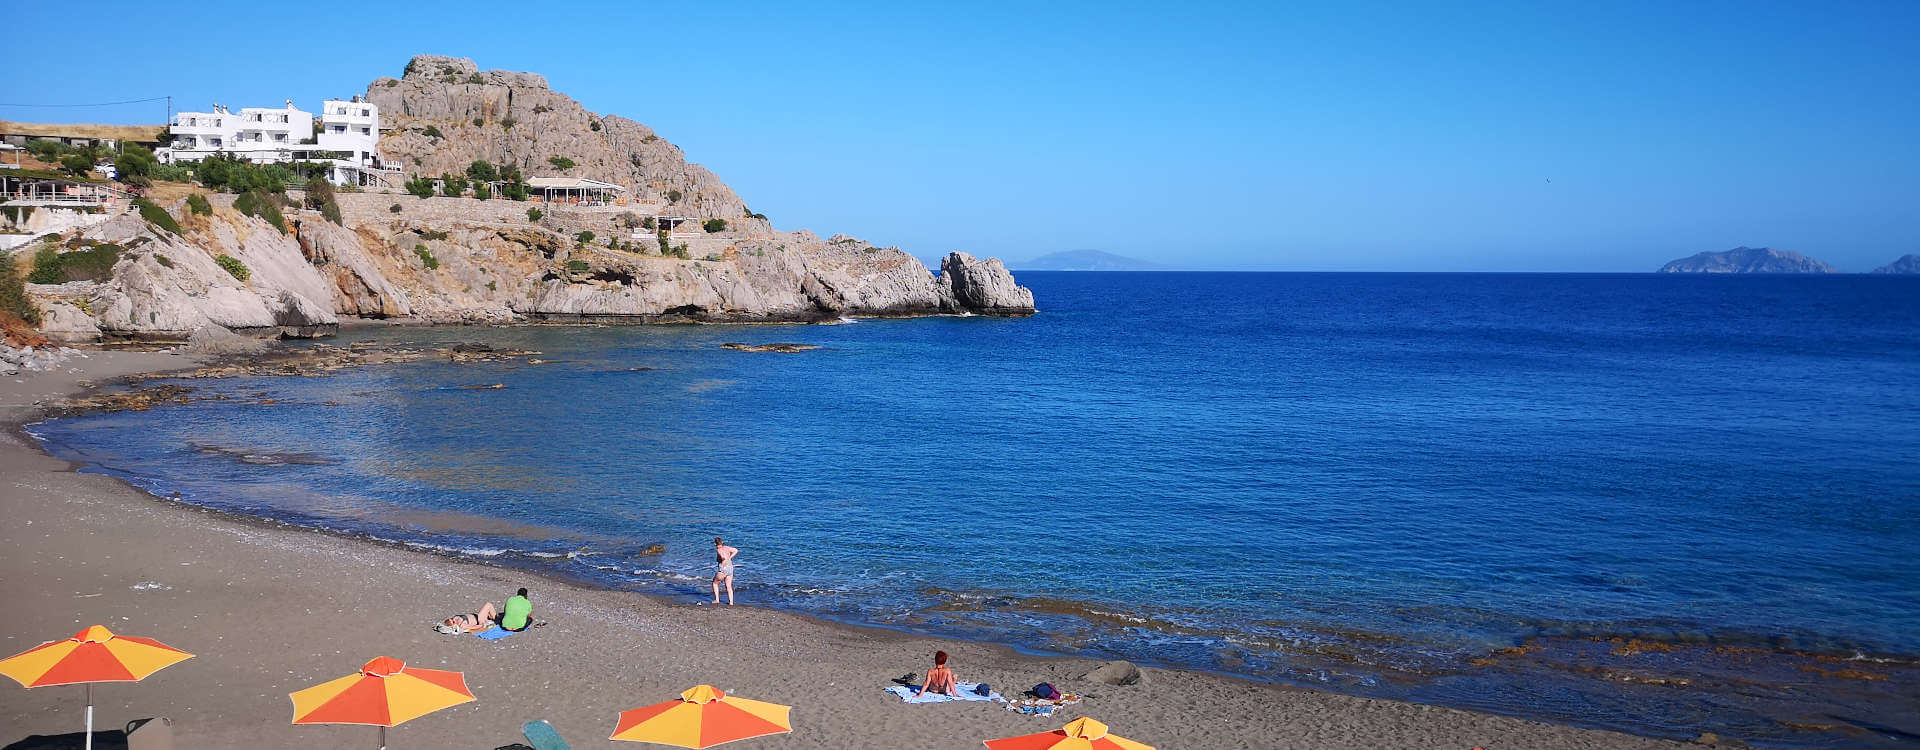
965	689
496	633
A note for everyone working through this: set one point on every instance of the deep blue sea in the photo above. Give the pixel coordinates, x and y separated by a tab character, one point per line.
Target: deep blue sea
1663	504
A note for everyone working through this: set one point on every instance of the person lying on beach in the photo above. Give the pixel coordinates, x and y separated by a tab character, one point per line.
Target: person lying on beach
517	615
471	622
724	554
940	679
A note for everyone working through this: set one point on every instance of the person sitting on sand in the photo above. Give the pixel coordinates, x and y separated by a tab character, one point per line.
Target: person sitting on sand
940	679
517	615
725	555
471	622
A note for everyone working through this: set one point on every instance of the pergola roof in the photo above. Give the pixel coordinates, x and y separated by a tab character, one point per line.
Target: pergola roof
572	183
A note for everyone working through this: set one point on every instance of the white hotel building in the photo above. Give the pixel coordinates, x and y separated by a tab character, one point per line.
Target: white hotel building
347	135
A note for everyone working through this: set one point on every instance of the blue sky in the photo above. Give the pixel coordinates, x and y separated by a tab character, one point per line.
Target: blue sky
1325	136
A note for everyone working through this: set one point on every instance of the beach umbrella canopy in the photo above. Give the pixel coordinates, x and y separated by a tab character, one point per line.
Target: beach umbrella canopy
702	717
92	655
385	693
1080	734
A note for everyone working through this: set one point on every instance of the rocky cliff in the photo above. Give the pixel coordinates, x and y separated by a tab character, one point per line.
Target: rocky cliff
1748	260
1907	264
464	260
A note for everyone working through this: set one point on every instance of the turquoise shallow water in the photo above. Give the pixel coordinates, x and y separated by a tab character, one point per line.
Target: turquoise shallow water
1367	482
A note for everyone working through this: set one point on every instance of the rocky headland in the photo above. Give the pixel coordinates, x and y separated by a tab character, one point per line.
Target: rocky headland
393	255
1907	264
1748	260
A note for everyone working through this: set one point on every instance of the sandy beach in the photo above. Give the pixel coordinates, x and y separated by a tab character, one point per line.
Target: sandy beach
270	609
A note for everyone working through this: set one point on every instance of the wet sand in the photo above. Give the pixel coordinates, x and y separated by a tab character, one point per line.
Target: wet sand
270	609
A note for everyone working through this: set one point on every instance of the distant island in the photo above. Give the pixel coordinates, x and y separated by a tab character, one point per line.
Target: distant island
1087	260
1907	264
1749	260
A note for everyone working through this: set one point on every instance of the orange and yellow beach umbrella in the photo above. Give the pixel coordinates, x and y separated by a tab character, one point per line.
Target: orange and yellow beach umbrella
90	656
1080	734
702	717
384	693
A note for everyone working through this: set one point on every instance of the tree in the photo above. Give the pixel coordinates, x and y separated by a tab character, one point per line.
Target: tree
560	162
135	161
76	164
481	191
714	225
420	187
515	190
453	185
585	236
481	171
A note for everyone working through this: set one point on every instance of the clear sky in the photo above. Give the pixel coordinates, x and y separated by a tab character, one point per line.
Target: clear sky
1499	136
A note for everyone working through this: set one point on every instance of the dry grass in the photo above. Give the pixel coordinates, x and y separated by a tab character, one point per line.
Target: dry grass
121	132
167	193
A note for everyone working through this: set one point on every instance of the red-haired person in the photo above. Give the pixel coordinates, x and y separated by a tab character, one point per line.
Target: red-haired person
940	680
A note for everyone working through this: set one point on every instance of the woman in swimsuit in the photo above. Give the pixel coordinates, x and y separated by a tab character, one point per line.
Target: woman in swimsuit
472	621
940	679
724	554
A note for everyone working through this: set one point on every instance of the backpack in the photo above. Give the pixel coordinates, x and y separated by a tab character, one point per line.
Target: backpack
982	690
1046	691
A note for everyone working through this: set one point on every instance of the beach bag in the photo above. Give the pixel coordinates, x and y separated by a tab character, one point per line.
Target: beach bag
1046	691
982	690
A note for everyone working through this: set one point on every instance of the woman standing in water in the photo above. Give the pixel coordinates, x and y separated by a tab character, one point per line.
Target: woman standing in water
724	554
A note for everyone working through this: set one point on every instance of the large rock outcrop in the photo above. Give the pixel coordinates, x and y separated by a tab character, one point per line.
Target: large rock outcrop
1907	264
513	118
984	286
1748	260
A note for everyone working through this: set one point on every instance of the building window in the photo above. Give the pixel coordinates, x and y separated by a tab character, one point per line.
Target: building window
365	131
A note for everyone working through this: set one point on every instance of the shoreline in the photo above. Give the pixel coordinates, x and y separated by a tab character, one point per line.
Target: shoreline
276	593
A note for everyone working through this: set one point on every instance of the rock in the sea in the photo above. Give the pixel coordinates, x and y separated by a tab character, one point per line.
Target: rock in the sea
984	287
1907	264
1115	673
1748	260
777	348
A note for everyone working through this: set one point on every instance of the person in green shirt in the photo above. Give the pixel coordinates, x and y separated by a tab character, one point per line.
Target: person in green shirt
517	615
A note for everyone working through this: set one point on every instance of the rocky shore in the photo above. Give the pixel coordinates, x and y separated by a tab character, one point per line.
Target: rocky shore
177	269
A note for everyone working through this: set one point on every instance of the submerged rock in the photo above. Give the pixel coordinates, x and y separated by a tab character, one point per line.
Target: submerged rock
778	348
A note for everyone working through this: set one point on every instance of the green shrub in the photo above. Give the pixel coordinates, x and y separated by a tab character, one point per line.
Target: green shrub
46	265
533	214
319	192
436	235
560	162
577	266
13	292
197	204
164	261
507	124
331	212
674	196
230	174
680	251
426	257
421	187
492	287
393	209
762	217
263	205
134	161
432	132
585	236
516	189
481	171
233	266
172	173
156	215
714	225
481	191
594	125
646	222
479	121
453	185
77	164
475	78
661	235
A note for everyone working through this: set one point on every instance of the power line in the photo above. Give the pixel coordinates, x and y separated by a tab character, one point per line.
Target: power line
100	104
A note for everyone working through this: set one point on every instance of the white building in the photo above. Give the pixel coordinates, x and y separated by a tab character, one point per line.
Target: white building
346	138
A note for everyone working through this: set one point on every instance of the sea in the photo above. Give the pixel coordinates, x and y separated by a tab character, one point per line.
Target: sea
1661	504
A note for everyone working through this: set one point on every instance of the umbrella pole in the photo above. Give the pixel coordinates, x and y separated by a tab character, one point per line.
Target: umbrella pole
89	716
383	738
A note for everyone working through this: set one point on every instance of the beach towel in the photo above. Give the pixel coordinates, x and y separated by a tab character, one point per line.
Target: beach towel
496	633
542	735
965	689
